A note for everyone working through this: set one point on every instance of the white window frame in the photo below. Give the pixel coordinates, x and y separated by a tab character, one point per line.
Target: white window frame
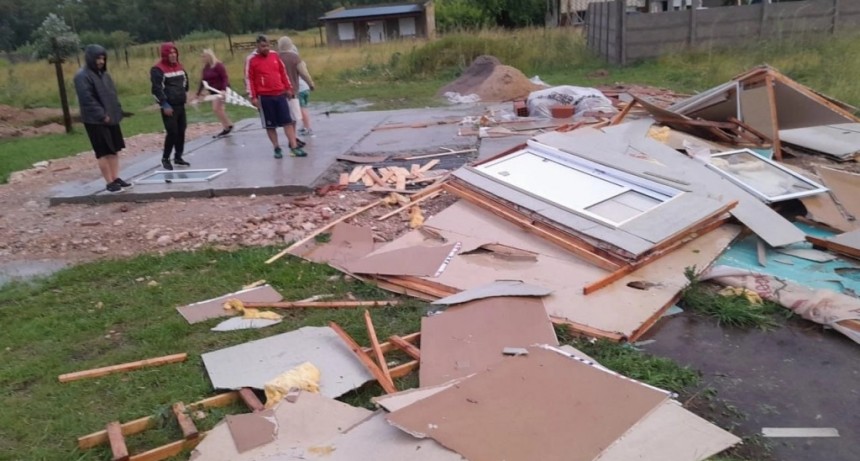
816	188
413	25
346	34
147	179
628	182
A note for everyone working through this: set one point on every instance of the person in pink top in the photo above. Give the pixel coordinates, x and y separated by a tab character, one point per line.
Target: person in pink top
215	75
269	87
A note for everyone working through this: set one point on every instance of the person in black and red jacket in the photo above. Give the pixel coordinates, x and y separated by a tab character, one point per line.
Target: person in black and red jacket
170	88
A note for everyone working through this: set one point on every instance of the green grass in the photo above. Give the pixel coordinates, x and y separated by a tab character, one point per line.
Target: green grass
63	324
732	311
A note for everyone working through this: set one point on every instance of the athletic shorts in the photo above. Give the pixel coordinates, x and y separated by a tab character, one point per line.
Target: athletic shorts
274	111
105	139
304	96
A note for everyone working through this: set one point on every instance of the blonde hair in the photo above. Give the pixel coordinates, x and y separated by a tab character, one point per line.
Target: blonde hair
211	55
286	44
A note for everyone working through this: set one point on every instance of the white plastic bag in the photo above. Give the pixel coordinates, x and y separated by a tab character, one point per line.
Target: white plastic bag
583	99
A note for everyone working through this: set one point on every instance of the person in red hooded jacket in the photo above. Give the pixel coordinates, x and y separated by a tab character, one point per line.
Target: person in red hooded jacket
170	88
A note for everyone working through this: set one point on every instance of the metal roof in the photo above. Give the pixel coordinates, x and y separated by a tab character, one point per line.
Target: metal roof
370	11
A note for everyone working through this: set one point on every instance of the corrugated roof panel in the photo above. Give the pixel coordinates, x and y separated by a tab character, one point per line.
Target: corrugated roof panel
373	11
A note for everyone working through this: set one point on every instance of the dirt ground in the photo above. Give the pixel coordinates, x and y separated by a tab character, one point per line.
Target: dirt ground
16	122
30	229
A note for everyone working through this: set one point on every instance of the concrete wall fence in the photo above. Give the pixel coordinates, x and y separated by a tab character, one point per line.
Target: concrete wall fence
623	37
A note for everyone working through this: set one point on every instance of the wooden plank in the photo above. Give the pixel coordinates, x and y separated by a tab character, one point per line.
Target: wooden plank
251	400
651	257
366	179
440	154
403	370
388	346
413	169
166	451
321	230
189	430
401	180
387	174
374	345
621	115
365	360
405	346
357	173
141	424
581	330
322	304
425	286
833	246
531	226
344	179
771	96
428	166
97	372
375	177
118	448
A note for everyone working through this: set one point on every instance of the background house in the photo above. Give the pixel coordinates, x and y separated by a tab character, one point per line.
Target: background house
378	23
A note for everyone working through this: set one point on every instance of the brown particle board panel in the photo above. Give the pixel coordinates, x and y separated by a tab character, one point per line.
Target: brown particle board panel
542	406
844	186
252	430
469	338
347	243
616	309
418	261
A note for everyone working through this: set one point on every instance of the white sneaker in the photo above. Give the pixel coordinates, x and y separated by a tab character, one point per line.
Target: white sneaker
303	131
310	134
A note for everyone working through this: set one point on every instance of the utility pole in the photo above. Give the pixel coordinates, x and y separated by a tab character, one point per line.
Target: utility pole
61	82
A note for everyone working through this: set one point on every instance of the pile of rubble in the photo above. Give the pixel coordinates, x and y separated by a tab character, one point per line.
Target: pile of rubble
596	225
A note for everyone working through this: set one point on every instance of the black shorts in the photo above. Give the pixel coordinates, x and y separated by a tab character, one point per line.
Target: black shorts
274	111
105	139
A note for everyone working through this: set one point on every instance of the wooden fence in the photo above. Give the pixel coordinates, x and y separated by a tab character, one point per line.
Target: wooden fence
622	37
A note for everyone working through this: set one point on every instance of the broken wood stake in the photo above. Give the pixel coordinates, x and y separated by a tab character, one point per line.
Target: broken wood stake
441	154
97	372
321	304
409	205
374	344
117	442
321	230
189	430
368	363
405	346
427	167
621	115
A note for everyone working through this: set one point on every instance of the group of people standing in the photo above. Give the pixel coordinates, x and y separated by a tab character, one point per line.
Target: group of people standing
269	81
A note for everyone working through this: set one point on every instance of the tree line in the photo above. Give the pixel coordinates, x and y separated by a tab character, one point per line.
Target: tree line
144	21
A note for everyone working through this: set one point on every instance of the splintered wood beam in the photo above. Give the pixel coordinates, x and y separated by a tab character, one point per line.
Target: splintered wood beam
771	97
750	129
321	230
119	451
141	424
405	346
321	304
531	226
403	370
388	346
365	360
621	115
189	430
665	249
835	247
103	371
427	166
251	400
374	345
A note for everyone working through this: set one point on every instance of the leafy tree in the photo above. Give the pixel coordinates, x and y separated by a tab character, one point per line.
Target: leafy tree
460	14
55	27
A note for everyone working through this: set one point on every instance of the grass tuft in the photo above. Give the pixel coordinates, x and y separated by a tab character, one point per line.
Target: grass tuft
732	311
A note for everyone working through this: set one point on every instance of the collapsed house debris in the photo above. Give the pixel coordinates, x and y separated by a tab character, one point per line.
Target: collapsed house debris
596	225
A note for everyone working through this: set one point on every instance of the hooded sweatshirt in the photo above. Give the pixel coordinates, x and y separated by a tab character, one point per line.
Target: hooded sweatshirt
96	91
169	81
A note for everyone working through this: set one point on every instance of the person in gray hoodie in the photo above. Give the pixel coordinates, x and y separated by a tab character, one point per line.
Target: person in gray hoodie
101	114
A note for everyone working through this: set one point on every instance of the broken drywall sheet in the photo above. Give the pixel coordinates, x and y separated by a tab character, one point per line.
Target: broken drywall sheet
240	323
841	141
539	406
375	439
310	420
418	261
497	288
617	309
669	433
347	243
469	338
398	400
213	308
255	363
252	430
808	254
